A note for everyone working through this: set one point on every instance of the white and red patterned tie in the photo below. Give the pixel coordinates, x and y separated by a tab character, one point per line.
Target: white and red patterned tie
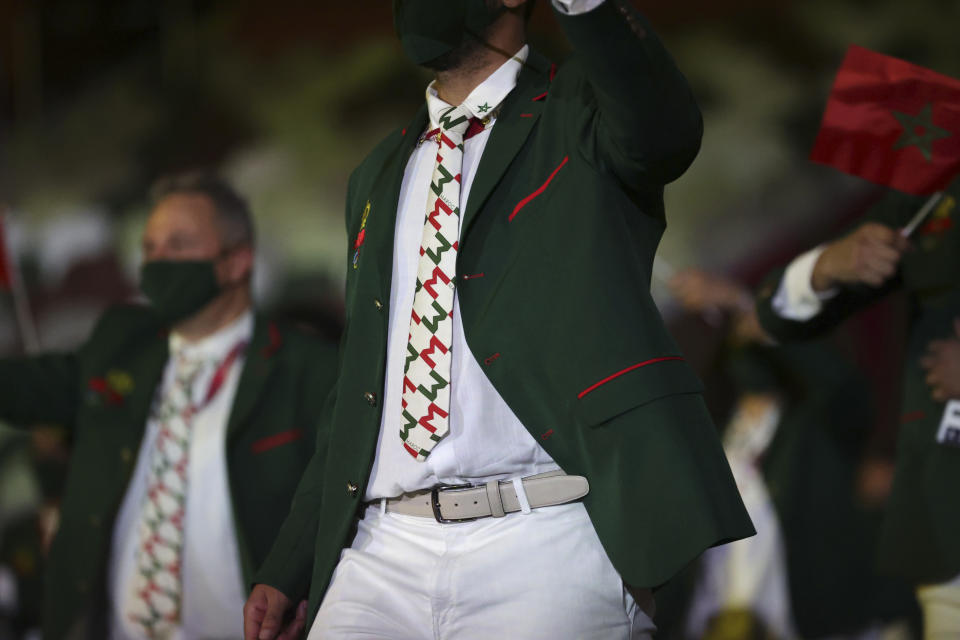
157	585
426	380
156	605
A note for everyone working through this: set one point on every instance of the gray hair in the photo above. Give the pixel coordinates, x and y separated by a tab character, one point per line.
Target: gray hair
233	212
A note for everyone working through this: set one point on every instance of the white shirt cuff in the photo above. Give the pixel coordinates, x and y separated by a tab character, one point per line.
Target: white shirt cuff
574	7
795	298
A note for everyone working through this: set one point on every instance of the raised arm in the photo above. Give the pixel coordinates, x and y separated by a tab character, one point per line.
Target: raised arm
647	125
823	287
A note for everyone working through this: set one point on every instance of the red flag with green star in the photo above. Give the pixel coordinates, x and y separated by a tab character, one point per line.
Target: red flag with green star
891	122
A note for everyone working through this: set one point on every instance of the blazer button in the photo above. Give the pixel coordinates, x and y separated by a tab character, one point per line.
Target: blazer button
352	489
371	398
378	304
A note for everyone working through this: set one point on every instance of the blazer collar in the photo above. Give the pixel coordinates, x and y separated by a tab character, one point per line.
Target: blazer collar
260	362
520	112
384	196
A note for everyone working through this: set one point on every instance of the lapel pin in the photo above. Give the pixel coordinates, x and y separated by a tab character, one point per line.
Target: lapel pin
361	235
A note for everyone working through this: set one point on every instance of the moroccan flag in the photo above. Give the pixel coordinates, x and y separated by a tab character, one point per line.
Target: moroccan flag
6	273
891	122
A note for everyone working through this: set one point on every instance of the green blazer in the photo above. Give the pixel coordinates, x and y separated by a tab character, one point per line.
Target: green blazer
553	276
922	524
103	392
810	469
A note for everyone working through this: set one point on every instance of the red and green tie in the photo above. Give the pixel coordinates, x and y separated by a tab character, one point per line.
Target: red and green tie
426	380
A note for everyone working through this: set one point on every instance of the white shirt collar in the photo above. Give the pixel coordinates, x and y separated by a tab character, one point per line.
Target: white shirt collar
487	96
217	345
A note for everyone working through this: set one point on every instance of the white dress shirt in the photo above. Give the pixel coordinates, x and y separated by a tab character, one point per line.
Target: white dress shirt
213	586
795	298
486	441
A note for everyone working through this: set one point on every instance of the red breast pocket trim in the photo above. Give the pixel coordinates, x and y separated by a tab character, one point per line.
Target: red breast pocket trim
276	440
539	191
645	363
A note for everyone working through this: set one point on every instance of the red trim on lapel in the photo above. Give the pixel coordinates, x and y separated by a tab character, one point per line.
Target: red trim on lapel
546	435
539	191
553	71
276	341
913	416
526	115
489	361
473	275
276	440
597	385
404	132
540	97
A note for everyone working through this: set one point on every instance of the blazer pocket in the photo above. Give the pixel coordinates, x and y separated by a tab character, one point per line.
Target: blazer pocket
276	440
635	385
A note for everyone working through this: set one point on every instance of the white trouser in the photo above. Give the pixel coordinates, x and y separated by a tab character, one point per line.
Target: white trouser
541	575
940	604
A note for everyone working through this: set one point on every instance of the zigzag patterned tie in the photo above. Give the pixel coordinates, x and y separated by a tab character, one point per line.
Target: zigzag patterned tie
158	587
426	380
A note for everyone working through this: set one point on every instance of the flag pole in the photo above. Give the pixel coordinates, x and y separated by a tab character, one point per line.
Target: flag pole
921	215
21	304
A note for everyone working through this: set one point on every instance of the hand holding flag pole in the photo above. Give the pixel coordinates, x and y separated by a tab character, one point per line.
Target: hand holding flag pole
10	280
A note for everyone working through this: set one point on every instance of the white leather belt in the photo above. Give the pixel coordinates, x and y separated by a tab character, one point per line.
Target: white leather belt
462	503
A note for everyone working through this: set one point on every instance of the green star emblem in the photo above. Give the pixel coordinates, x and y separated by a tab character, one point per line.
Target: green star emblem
483	108
919	131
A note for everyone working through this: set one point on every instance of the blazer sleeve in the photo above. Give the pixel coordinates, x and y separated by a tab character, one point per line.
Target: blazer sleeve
39	389
847	302
647	124
289	565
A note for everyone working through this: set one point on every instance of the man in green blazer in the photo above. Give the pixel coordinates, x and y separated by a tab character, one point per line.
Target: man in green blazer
566	407
190	420
821	288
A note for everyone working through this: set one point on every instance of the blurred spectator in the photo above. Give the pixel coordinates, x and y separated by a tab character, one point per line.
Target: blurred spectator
191	420
795	441
820	289
25	539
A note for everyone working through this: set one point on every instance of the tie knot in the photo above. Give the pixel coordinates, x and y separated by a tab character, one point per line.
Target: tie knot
455	121
187	367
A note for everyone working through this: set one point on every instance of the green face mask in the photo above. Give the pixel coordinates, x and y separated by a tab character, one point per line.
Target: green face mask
177	289
429	29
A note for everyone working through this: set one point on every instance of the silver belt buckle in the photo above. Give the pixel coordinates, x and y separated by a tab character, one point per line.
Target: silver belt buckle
435	502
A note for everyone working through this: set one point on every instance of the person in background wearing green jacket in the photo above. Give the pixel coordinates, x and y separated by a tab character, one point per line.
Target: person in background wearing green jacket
525	447
798	438
821	288
190	420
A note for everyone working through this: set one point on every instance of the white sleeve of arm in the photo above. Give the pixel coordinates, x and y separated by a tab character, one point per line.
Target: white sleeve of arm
795	298
573	7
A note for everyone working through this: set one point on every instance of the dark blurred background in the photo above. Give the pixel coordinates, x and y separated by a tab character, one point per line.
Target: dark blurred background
99	97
